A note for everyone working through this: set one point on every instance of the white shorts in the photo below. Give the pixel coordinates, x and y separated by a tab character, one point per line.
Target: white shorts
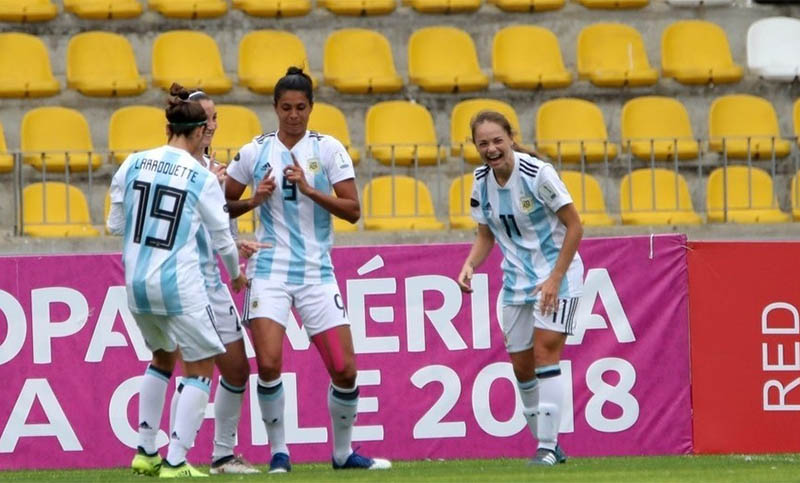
226	316
320	307
194	333
519	322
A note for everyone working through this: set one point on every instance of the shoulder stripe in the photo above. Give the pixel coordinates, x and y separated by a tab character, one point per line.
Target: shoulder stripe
480	175
530	173
532	166
314	134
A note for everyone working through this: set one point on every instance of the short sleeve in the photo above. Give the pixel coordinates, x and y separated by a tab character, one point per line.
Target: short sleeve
550	190
211	206
241	168
336	160
475	203
117	190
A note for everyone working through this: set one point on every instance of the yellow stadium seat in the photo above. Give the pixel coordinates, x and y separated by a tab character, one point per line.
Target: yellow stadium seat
613	55
568	128
25	67
54	137
401	130
55	210
247	222
358	8
587	198
189	8
443	6
658	127
191	59
104	9
27	11
614	3
460	194
264	56
136	128
527	5
795	197
697	52
6	160
443	59
236	126
359	61
328	119
341	226
528	57
460	119
749	194
102	64
738	118
412	208
656	197
274	8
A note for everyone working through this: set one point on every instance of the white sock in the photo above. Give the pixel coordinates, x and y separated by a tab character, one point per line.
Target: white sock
271	400
529	393
227	411
188	418
151	405
343	406
551	395
173	404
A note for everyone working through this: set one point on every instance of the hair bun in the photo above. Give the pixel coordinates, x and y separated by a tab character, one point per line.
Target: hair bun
293	70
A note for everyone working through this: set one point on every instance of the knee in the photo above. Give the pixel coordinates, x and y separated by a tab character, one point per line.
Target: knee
346	377
237	374
269	368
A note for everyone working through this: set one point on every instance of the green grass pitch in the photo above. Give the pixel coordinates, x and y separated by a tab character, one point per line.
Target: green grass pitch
683	469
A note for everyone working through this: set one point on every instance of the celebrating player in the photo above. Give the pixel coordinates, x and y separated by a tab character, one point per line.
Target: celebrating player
160	200
293	171
519	200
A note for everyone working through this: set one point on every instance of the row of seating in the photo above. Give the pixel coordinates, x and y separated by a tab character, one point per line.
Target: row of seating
402	132
441	59
647	197
43	10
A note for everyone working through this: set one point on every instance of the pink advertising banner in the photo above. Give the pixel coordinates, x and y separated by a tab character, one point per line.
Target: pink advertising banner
435	379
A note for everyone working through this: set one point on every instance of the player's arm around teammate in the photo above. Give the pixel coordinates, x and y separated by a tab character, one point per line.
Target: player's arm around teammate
519	201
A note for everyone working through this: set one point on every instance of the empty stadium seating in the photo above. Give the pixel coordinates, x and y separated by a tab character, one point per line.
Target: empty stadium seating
528	57
27	10
191	59
697	52
699	3
236	126
55	210
656	197
614	3
328	119
527	5
460	133
104	9
53	138
136	128
25	67
587	196
748	125
358	8
274	8
443	6
569	129
400	132
189	8
459	207
264	56
102	64
750	198
398	203
613	55
443	59
773	48
657	127
6	160
358	61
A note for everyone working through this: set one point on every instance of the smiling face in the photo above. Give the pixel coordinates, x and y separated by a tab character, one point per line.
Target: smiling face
293	109
494	145
211	124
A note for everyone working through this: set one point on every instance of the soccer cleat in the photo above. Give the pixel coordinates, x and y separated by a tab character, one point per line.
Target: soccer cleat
544	457
145	464
280	463
232	465
561	456
183	470
356	461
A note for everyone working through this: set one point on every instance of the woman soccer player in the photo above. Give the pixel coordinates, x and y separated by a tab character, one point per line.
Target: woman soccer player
293	171
160	200
520	201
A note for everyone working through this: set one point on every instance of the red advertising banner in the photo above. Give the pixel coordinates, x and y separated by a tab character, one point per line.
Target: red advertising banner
745	346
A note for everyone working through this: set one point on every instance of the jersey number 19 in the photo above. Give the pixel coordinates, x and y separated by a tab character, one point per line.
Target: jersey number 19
173	215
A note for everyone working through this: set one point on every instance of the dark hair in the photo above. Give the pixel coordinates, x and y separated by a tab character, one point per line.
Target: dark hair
183	115
500	120
294	80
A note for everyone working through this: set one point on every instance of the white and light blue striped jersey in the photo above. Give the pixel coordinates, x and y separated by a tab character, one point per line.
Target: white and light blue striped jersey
167	197
299	229
522	217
